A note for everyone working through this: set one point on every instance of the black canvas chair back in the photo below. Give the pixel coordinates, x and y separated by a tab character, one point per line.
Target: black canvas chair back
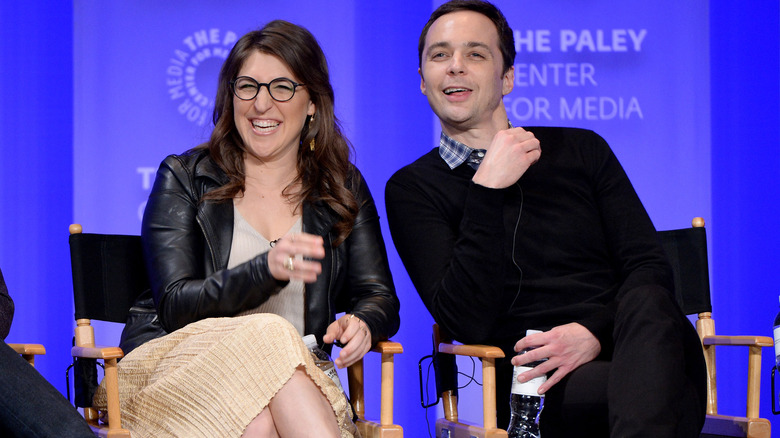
687	252
108	275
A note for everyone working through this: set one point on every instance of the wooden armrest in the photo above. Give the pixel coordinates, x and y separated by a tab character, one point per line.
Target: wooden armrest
754	343
473	350
97	352
388	347
356	390
747	341
28	349
724	425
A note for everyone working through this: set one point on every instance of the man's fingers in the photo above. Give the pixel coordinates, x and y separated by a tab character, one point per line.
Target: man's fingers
556	377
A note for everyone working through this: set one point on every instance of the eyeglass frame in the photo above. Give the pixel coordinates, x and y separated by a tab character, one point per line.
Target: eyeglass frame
267	86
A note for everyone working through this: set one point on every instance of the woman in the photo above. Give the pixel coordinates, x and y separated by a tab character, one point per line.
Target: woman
268	218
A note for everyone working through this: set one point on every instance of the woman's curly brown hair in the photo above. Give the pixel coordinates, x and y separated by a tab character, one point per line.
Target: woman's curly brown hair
323	173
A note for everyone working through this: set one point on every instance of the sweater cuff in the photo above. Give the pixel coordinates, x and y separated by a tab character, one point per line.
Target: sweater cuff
483	204
601	325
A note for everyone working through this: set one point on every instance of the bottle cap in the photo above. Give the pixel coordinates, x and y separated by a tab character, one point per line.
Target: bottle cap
310	341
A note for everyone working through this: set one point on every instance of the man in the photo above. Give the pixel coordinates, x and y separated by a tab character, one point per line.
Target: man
30	406
499	237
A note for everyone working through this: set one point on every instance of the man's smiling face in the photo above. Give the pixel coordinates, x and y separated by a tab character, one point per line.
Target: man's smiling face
461	71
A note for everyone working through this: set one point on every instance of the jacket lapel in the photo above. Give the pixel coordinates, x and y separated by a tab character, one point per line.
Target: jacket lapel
216	218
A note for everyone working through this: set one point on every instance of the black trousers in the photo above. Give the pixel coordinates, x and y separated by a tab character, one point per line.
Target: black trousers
651	383
30	406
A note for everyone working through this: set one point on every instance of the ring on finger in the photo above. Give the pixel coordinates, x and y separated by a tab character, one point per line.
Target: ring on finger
288	263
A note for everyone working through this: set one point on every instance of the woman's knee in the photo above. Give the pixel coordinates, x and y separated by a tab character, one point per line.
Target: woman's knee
266	322
261	426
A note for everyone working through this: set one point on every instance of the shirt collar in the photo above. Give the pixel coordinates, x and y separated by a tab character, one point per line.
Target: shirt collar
455	153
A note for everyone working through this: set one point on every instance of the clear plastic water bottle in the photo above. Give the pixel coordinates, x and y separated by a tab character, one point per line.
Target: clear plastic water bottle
525	402
322	360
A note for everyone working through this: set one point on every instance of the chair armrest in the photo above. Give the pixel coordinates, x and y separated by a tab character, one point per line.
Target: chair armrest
747	341
97	352
111	379
28	349
488	354
388	347
473	350
754	343
726	425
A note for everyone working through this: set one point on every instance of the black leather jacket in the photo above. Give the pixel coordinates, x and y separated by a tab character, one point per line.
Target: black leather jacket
187	245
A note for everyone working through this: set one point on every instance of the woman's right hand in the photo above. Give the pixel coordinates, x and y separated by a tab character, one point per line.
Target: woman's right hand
291	257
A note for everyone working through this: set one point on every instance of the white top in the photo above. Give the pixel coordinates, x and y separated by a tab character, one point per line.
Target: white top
247	244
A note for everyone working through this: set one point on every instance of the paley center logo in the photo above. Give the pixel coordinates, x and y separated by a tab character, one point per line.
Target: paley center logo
192	73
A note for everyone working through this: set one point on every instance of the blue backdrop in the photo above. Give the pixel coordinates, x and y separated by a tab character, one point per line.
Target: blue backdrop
686	94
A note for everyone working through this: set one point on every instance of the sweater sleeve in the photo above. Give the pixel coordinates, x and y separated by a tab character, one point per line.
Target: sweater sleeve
631	238
446	261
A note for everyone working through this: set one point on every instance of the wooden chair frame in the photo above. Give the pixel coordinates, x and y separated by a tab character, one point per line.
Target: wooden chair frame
85	348
750	426
355	377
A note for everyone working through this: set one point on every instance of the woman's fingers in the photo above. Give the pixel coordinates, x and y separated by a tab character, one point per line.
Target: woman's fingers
294	257
356	338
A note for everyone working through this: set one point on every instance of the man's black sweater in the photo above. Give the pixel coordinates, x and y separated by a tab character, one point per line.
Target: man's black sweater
561	245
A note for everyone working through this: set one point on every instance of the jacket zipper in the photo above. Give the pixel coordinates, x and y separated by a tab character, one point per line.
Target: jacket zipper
208	243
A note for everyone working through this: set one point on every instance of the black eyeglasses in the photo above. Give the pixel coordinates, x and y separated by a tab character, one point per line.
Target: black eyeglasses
280	89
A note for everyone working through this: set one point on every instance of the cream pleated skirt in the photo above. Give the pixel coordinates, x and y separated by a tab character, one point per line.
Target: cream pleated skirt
212	377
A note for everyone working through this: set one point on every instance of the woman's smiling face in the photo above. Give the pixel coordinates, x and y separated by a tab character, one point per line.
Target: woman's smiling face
270	130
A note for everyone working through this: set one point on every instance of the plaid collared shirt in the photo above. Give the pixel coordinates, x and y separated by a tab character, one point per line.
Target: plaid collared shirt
455	153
